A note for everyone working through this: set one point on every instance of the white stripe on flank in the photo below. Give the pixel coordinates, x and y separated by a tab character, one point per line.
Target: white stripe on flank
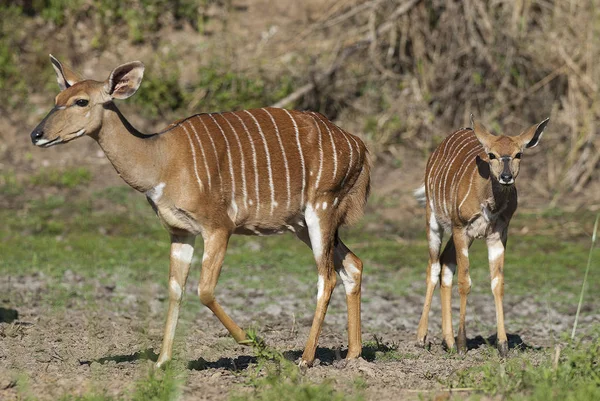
333	149
243	163
262	135
301	157
453	160
193	157
468	190
350	161
357	146
214	150
441	156
454	152
231	174
203	154
463	170
254	162
285	160
464	160
318	179
437	169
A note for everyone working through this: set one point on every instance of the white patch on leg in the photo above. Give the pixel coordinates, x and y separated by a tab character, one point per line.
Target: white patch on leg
314	231
175	288
184	253
494	283
347	274
465	252
320	287
435	235
495	251
447	276
435	272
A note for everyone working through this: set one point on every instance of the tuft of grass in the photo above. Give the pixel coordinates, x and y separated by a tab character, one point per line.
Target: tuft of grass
70	178
538	375
9	184
157	386
275	378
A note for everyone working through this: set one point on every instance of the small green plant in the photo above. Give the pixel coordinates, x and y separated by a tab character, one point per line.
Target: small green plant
70	178
276	378
9	185
575	375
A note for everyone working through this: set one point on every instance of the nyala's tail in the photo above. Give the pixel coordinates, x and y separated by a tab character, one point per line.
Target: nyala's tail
420	195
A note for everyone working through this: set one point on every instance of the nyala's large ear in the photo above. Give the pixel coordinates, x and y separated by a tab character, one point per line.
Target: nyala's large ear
483	135
532	135
64	75
125	80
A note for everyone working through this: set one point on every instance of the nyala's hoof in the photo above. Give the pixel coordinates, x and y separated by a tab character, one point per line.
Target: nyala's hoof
503	349
451	349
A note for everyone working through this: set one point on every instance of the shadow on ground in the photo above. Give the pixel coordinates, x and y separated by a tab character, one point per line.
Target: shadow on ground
514	342
8	315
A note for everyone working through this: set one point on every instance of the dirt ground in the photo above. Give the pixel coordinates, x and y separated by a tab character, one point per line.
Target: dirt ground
105	343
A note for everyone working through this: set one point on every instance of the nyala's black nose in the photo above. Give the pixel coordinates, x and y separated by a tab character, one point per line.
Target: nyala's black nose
36	135
506	177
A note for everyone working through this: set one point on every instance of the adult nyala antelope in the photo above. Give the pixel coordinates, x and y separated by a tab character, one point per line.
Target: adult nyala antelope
253	172
469	191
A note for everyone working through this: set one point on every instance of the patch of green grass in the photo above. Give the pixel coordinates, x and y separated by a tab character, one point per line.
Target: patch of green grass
70	178
9	184
155	386
275	378
537	375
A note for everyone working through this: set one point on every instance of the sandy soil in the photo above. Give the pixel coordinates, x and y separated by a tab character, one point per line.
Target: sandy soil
104	339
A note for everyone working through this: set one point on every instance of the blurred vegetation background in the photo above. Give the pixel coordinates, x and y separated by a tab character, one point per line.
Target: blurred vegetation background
401	74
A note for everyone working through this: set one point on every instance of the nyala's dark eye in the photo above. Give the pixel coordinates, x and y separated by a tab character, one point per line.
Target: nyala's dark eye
518	155
491	156
81	102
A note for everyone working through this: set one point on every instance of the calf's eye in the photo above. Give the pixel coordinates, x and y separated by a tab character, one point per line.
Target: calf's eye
81	102
491	156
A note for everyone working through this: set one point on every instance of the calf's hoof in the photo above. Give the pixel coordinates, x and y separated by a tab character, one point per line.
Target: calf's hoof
502	349
462	345
421	342
450	348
